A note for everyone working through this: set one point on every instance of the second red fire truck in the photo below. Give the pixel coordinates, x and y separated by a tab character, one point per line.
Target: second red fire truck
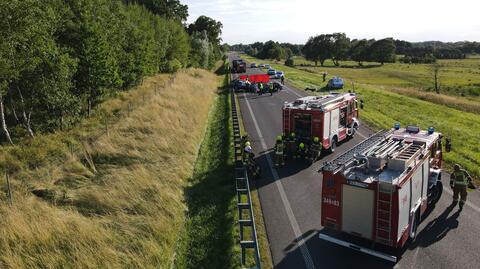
332	118
379	190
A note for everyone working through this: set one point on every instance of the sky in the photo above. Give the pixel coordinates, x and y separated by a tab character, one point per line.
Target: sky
294	21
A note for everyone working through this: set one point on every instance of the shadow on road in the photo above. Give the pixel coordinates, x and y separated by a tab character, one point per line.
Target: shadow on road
437	229
326	255
292	167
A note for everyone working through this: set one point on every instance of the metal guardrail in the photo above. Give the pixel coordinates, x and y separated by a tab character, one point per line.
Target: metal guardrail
246	218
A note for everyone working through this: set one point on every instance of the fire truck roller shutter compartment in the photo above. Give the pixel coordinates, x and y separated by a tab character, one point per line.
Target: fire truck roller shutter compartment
303	126
334	122
326	127
357	211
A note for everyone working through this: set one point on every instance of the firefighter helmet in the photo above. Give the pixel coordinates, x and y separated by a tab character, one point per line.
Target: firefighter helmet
292	135
316	139
247	143
302	145
279	138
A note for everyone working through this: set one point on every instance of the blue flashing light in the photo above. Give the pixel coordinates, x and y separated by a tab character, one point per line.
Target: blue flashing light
431	130
396	126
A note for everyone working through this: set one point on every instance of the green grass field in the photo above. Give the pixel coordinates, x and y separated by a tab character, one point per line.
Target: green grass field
383	108
457	77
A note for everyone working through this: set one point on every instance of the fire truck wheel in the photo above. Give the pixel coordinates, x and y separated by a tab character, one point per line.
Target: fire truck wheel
333	144
437	192
415	223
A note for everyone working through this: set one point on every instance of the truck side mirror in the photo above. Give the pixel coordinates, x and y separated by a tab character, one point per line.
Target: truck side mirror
361	103
448	144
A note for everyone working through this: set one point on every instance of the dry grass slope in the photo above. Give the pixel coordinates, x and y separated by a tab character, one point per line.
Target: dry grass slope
108	201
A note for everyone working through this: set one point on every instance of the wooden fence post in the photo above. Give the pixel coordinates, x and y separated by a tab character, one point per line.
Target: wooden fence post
10	198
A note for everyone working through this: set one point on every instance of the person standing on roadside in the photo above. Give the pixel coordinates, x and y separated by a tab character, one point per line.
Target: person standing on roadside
459	180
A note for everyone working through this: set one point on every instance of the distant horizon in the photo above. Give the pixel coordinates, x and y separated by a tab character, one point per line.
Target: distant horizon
303	43
289	21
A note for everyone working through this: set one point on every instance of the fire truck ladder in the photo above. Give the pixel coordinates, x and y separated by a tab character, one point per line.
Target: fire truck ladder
384	212
358	149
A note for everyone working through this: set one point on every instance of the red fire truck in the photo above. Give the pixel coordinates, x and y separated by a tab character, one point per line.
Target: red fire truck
379	190
332	118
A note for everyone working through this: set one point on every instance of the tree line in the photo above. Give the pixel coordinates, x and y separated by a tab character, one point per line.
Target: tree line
338	47
59	58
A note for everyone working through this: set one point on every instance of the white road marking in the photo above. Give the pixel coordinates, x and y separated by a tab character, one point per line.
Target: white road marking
474	207
286	204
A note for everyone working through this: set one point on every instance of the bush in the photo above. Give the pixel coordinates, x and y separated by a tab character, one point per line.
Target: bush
174	65
289	62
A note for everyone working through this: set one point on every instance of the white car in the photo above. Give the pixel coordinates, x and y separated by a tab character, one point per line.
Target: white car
261	65
279	74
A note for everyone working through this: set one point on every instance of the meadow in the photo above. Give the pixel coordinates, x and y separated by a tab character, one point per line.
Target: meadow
456	77
384	106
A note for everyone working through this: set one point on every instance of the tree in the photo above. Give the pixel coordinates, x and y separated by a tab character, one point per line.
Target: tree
170	9
212	27
290	62
359	51
276	53
340	47
206	40
25	30
382	51
436	81
318	48
201	50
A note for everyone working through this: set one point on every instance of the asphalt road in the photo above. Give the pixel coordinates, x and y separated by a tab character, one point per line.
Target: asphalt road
291	202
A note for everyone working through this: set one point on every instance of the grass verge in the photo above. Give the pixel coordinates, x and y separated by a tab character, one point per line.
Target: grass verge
108	195
209	240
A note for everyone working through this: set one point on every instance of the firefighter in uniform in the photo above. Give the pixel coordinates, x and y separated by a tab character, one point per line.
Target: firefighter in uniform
315	149
459	181
292	146
302	151
249	161
270	88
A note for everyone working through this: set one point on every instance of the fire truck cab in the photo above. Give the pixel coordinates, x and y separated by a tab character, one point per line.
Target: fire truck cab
380	189
332	118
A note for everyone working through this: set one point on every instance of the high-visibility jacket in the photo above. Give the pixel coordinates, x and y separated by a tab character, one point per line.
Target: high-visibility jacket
459	178
279	148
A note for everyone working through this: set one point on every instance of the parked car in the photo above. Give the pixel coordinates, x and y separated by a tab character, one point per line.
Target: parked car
271	72
267	66
335	83
279	74
238	85
253	65
261	66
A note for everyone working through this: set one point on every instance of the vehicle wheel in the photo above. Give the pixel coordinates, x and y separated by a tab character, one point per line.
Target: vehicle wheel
437	192
413	234
333	145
